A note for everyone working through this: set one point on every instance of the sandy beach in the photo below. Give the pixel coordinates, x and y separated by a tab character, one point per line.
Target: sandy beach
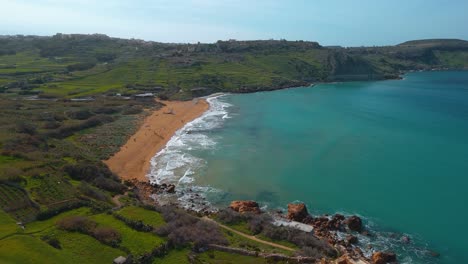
133	159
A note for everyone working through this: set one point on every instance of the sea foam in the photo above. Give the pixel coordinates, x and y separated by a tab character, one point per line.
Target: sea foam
176	165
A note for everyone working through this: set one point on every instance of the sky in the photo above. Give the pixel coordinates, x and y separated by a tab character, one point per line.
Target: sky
329	22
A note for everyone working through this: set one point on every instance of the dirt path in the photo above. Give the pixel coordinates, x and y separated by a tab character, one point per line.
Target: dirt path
116	200
254	238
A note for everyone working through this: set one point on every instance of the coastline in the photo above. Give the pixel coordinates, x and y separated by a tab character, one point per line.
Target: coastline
132	161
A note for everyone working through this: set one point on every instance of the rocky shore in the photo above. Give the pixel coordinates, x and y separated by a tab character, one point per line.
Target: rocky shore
327	227
340	232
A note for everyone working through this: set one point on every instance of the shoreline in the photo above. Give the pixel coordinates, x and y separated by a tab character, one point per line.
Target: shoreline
133	160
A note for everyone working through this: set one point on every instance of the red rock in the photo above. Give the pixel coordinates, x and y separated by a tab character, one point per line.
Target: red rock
245	206
383	257
297	212
344	260
354	223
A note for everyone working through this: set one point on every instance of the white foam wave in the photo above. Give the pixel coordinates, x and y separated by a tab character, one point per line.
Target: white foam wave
174	164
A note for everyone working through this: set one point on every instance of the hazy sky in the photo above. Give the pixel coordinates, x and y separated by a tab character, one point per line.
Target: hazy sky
330	22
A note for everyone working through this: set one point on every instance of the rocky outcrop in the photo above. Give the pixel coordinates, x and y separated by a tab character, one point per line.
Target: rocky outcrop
354	223
351	239
383	258
245	206
297	212
346	259
171	188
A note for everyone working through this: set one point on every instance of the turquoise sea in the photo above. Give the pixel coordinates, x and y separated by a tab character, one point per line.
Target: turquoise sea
394	152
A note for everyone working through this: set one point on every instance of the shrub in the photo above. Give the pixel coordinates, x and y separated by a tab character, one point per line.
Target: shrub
134	224
133	110
106	110
306	241
109	185
81	114
23	143
87	171
54	242
87	190
229	216
68	130
51	125
63	208
107	235
27	128
81	66
183	229
77	223
11	174
257	222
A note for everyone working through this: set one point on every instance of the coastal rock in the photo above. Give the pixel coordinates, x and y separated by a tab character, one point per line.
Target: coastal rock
345	259
406	239
383	257
245	206
336	223
297	212
354	223
171	188
351	239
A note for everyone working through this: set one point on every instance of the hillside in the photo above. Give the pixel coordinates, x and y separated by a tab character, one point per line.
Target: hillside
68	102
83	65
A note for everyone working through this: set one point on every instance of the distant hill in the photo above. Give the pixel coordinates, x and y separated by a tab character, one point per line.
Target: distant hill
435	42
76	65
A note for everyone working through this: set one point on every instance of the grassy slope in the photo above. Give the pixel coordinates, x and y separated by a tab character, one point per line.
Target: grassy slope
26	246
37	160
148	217
239	66
137	242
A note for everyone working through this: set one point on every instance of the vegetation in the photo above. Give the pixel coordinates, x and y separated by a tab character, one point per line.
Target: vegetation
69	102
262	226
83	65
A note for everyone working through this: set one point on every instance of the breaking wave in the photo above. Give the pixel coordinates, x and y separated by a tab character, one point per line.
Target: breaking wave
176	165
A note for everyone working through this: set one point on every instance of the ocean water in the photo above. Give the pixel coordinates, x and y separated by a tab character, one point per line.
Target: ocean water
394	152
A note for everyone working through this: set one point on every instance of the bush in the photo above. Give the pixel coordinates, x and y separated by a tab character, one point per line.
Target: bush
24	143
87	171
63	208
98	175
134	224
255	222
109	185
68	130
78	224
81	66
87	190
133	110
11	174
306	241
51	125
229	216
54	242
106	110
183	229
107	235
79	114
27	128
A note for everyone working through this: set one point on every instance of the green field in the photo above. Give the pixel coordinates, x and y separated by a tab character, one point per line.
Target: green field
148	217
